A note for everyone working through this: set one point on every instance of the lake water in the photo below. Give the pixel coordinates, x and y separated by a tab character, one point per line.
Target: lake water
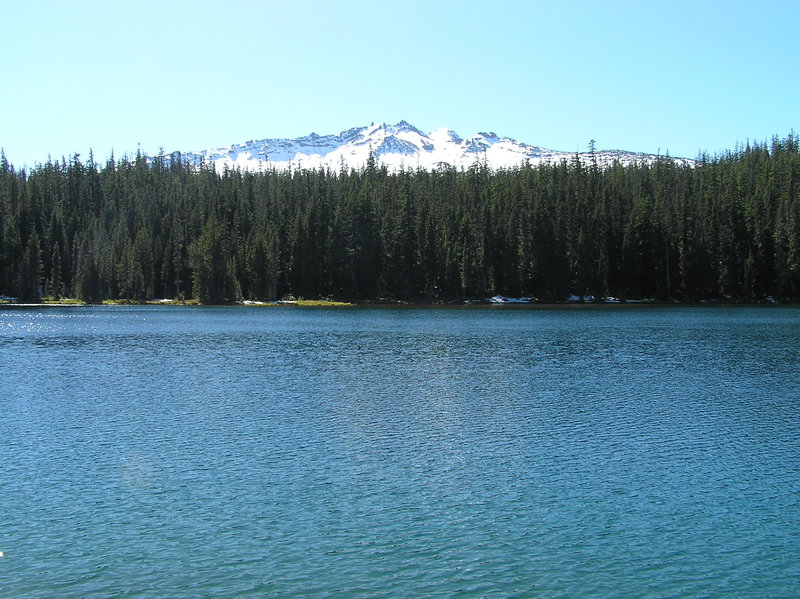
168	452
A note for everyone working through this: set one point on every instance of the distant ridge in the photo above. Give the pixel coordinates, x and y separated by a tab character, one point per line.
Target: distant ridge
400	146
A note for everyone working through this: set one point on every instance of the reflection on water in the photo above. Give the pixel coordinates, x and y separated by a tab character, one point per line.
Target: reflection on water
185	452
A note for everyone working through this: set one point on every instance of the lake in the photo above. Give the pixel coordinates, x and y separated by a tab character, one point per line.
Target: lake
609	451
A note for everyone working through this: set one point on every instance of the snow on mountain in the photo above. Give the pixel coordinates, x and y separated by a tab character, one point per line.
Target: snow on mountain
400	146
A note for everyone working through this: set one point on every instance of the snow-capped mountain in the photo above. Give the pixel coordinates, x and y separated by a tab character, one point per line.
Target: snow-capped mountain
396	146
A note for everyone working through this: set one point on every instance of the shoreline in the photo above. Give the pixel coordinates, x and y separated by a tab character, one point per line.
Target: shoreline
75	303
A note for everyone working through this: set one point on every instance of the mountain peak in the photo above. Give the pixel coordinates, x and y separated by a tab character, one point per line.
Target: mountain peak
398	146
406	127
446	135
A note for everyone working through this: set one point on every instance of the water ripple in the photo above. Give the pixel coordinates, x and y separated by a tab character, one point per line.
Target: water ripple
160	452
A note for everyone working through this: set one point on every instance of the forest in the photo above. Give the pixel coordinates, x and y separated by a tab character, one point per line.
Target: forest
137	228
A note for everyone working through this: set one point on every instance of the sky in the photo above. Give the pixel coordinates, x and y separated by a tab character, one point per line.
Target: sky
676	77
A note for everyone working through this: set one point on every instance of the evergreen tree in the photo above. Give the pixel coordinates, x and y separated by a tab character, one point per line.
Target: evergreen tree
31	270
728	226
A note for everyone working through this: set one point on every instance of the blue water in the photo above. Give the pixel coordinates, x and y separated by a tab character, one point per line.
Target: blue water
500	452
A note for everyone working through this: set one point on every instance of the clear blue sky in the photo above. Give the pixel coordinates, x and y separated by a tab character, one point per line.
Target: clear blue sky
678	76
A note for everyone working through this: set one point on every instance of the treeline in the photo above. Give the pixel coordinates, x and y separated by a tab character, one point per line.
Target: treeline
728	227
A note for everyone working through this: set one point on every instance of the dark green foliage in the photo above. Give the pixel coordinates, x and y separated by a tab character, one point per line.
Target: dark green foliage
727	228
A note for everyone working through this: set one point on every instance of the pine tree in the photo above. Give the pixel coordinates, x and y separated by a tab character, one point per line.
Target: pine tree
31	270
